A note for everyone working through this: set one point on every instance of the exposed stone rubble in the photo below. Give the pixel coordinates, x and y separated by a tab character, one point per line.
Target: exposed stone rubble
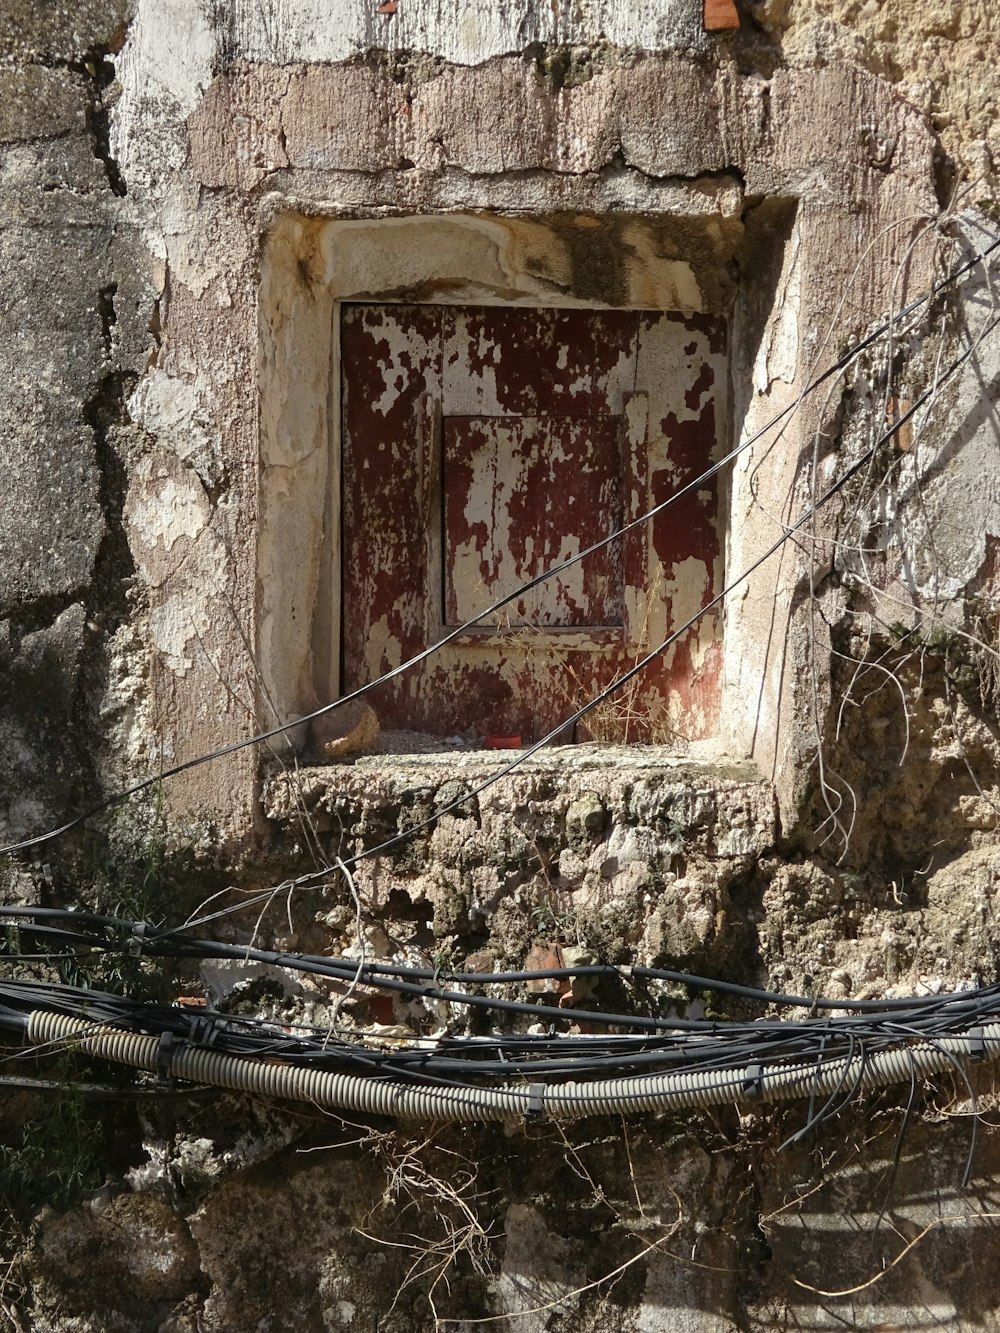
188	192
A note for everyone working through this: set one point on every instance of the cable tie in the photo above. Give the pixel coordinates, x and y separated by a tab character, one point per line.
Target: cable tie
204	1031
135	943
164	1056
752	1082
977	1043
536	1099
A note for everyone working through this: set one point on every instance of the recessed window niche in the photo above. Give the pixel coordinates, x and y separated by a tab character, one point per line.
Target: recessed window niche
452	405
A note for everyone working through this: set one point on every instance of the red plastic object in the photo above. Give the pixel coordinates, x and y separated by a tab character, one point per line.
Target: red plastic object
501	742
720	16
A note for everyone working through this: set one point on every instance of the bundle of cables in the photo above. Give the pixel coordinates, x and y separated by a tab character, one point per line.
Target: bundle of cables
624	1063
638	1062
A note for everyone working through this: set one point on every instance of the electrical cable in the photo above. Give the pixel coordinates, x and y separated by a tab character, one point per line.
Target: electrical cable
755	1083
875	1043
141	939
832	1058
718	1045
261	737
698	1045
389	844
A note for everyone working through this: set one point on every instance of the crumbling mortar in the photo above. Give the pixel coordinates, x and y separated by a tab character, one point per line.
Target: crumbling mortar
97	70
568	66
405	68
100	69
749	50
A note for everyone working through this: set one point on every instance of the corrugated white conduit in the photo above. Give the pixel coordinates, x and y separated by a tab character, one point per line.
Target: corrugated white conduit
559	1101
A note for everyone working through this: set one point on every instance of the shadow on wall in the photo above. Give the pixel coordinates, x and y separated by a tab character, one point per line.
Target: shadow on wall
39	674
691	1232
911	733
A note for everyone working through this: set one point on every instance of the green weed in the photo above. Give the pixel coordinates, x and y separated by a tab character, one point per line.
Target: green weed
56	1157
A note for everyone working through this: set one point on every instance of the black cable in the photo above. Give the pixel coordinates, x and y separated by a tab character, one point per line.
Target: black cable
730	1043
451	1063
389	844
258	739
142	939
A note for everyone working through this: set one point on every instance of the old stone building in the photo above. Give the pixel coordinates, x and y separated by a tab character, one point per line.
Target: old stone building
328	328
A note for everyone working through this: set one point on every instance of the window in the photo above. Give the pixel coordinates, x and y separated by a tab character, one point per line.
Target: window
482	444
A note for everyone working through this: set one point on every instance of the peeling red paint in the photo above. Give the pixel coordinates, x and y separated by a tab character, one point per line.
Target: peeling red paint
482	445
695	397
513	489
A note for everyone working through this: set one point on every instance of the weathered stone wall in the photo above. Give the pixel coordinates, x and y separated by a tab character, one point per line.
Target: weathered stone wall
72	342
186	191
652	134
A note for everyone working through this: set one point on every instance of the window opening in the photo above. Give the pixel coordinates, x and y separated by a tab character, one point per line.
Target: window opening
481	445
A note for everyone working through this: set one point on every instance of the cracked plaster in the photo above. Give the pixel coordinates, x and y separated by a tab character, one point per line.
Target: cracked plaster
199	132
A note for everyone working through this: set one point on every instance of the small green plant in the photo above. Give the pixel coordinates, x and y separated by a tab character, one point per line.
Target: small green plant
716	1008
136	869
445	958
130	872
556	925
853	881
55	1158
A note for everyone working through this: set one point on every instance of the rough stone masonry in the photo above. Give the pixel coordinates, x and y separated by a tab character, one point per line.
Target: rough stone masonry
192	195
